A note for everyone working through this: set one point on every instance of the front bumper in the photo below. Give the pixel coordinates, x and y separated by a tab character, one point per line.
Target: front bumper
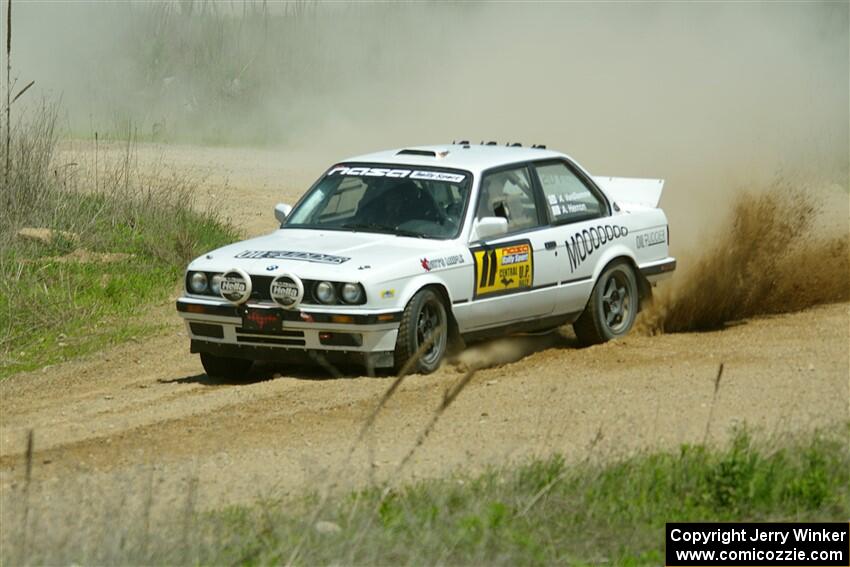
217	327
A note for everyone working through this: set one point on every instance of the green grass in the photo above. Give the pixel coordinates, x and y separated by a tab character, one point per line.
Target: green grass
539	513
546	512
52	309
58	310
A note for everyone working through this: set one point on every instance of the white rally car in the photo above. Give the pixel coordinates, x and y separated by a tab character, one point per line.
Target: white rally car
392	257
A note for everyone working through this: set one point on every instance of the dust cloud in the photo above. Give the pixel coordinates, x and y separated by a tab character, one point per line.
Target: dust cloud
773	255
715	98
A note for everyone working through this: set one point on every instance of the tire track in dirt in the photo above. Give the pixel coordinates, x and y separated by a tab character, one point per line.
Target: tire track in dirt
138	407
783	373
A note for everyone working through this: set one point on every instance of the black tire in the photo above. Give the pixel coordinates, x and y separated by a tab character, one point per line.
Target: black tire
223	367
424	314
612	308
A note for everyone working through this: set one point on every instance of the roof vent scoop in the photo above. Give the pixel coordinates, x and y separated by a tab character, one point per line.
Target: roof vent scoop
425	153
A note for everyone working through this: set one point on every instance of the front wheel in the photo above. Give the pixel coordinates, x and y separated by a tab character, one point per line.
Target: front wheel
612	308
422	334
225	367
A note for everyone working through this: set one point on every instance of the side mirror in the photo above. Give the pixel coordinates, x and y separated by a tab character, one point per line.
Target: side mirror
488	227
281	211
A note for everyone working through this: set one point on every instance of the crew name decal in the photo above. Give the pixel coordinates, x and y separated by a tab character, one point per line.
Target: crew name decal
581	245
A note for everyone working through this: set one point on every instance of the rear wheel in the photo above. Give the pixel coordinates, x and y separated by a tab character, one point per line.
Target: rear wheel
610	313
422	334
225	367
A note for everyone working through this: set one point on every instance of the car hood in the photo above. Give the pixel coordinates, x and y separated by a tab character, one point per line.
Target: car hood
323	254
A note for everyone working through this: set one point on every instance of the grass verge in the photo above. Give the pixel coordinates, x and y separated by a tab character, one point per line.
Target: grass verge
114	241
546	512
542	512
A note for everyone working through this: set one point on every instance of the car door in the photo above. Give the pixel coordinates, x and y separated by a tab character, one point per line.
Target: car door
516	273
580	216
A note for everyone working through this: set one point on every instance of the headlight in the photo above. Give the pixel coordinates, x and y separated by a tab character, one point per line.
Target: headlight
352	293
198	282
325	292
215	284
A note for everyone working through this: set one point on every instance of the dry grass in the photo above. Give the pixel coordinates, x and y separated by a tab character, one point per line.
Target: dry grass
770	257
540	512
54	305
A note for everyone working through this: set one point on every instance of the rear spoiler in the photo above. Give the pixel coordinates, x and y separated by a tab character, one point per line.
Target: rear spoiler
625	190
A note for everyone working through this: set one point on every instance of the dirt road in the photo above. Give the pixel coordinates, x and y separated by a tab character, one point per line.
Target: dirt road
149	407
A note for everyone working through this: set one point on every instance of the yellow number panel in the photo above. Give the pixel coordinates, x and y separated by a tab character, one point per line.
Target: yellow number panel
503	269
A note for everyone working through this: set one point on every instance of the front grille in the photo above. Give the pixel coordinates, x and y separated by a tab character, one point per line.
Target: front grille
260	287
260	290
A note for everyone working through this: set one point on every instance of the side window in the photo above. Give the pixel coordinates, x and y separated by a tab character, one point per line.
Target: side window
568	199
510	195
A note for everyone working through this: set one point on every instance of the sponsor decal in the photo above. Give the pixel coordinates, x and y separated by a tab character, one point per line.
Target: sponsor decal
506	268
291	255
582	245
388	294
261	320
651	238
235	286
397	173
440	263
287	290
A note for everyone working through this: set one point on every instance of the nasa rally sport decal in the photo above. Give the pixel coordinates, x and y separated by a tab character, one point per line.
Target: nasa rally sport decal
503	269
287	290
584	242
397	173
235	286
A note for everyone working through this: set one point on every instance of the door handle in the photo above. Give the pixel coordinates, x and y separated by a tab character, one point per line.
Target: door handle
551	245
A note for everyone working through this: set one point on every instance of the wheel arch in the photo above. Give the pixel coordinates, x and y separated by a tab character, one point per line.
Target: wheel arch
623	254
443	291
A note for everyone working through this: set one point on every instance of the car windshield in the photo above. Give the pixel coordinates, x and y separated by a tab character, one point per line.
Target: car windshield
401	200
